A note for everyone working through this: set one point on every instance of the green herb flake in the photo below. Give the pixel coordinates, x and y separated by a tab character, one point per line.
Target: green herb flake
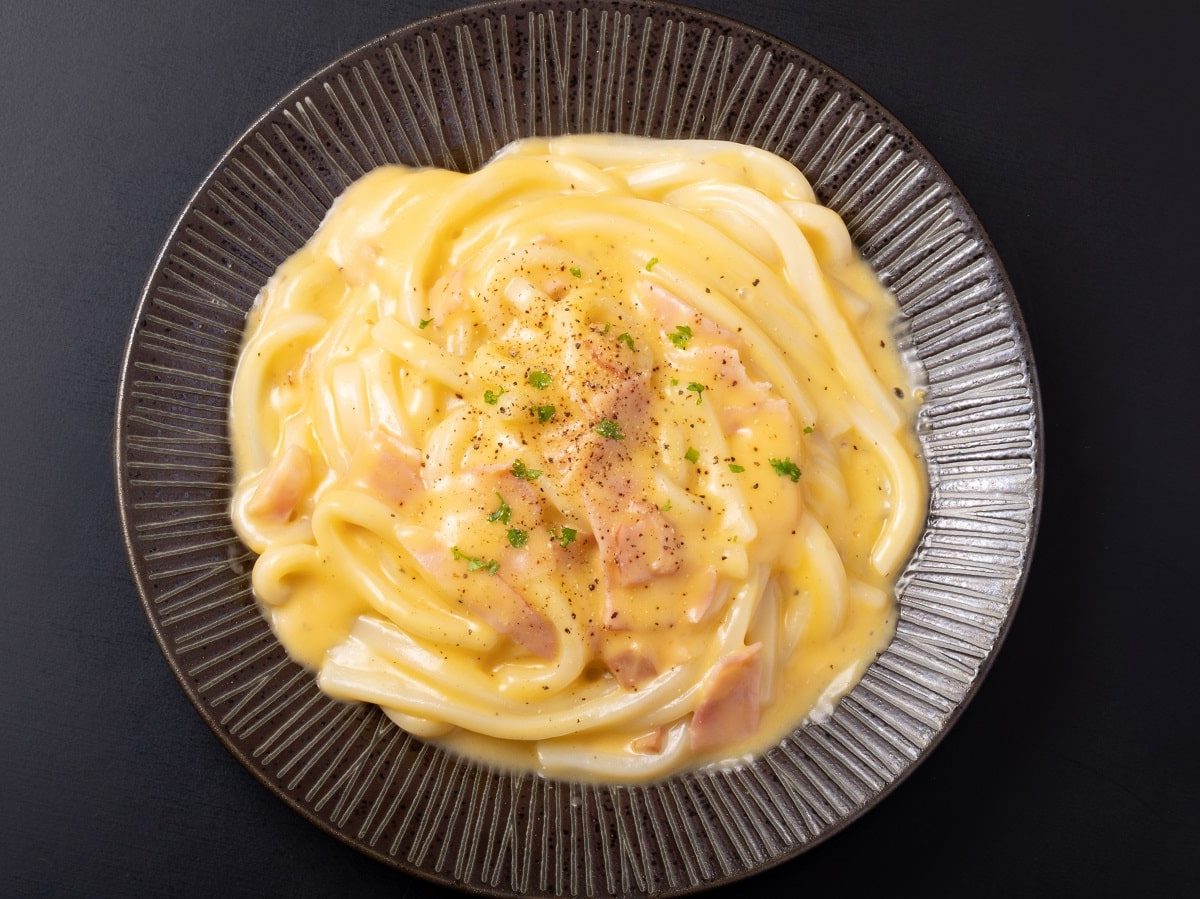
564	537
610	430
681	336
697	389
607	327
503	512
808	430
539	379
425	323
491	397
674	382
651	263
517	537
626	339
525	473
665	507
545	413
735	468
786	468
576	271
692	455
474	563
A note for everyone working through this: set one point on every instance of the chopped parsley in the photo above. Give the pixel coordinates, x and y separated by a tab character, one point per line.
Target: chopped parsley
808	430
697	389
682	335
474	563
503	512
425	322
610	429
491	397
653	262
517	537
564	537
576	271
545	413
665	507
524	473
539	379
626	339
735	468
674	382
786	468
692	455
607	327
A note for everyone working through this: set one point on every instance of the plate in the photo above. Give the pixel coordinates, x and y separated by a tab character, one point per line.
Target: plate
449	91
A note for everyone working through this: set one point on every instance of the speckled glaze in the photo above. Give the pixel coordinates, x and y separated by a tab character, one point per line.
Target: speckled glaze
449	91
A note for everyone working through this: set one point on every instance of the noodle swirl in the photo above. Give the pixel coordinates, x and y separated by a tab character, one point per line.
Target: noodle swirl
599	460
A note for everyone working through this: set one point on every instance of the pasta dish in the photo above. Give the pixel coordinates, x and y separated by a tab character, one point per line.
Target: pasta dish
599	461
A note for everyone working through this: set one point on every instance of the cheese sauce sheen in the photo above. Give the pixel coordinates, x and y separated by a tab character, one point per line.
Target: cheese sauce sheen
599	461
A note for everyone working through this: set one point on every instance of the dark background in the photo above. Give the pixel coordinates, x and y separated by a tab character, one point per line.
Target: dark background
1075	769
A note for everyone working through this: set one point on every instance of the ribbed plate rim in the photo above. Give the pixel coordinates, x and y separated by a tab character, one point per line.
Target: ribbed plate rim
124	501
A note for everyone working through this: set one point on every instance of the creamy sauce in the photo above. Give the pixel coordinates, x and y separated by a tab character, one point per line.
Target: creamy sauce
599	461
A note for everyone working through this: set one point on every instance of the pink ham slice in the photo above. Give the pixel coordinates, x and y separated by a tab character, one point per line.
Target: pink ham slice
729	709
651	743
727	363
670	311
488	596
631	667
609	354
282	485
387	467
513	616
516	489
610	380
581	457
637	544
644	547
757	401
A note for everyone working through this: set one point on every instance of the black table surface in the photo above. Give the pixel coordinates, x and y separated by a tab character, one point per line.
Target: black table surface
1074	771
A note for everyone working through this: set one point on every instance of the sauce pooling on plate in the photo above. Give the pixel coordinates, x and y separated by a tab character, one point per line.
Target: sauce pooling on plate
598	461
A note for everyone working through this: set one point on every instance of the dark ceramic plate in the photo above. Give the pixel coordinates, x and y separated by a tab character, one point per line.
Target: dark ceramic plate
449	91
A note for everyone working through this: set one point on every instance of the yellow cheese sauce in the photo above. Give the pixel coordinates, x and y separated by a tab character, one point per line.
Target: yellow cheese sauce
598	461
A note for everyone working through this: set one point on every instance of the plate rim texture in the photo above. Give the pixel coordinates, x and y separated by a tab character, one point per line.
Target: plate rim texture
825	778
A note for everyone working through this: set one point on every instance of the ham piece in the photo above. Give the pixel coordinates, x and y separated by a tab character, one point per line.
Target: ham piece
488	596
282	485
729	708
